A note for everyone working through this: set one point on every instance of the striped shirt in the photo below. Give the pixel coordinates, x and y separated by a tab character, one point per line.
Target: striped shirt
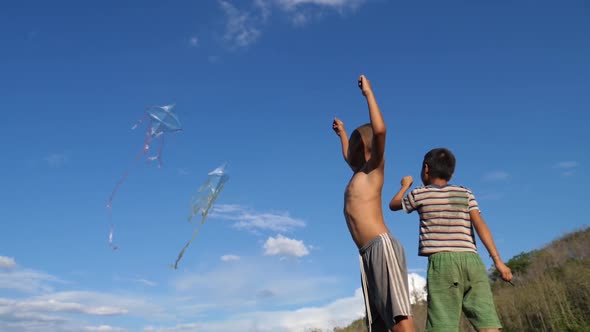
445	224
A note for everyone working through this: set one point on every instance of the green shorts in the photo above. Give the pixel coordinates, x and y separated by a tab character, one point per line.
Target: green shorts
458	281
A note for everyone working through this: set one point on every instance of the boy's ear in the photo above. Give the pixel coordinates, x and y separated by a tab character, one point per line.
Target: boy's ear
426	170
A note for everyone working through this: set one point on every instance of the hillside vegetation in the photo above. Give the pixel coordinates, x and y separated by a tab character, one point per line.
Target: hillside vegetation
551	291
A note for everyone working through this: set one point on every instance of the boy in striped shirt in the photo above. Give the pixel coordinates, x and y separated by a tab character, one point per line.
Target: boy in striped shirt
457	278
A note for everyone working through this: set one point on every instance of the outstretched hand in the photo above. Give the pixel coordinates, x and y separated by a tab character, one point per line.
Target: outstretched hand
365	85
407	181
338	127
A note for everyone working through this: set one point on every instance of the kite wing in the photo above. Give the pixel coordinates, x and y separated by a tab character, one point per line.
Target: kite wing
163	120
207	193
202	202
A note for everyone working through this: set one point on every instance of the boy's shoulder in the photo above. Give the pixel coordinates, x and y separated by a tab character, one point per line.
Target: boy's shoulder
448	187
460	186
465	188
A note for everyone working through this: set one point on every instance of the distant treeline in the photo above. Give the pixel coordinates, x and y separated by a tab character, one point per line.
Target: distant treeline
551	291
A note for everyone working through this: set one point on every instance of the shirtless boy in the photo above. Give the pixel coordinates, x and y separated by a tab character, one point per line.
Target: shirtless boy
384	274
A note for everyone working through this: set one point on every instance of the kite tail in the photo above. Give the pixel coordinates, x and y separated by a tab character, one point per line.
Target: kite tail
145	116
160	149
111	232
158	156
109	205
114	192
175	266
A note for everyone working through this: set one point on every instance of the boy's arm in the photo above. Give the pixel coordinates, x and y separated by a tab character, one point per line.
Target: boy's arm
377	122
486	237
396	201
338	127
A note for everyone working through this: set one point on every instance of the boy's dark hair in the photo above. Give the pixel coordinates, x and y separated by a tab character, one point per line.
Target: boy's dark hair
441	163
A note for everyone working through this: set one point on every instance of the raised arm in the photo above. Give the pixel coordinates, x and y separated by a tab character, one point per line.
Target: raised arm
377	123
396	201
338	127
486	237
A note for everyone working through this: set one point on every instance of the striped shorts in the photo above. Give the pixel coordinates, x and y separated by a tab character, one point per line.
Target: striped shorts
384	278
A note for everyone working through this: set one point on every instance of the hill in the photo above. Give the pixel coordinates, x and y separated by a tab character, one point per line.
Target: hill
551	291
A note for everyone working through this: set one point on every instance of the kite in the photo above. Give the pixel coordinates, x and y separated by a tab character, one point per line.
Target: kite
202	202
161	120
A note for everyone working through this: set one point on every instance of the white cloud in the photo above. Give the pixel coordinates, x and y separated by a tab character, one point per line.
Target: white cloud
230	258
141	281
243	295
337	313
302	12
177	328
44	323
227	209
241	27
328	3
244	26
284	246
62	311
46	305
264	8
249	283
568	168
145	282
300	18
213	59
103	328
98	303
490	196
56	160
11	321
183	171
38	314
417	285
496	176
567	164
7	262
26	280
249	220
245	285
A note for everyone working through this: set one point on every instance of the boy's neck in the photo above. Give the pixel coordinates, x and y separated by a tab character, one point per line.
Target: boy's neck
439	182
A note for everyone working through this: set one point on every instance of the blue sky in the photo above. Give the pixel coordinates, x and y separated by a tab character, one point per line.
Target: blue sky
256	84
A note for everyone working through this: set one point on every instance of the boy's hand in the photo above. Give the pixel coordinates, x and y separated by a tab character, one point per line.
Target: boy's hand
365	85
338	127
407	181
505	271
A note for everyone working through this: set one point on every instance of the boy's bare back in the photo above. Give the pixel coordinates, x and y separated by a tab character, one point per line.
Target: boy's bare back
364	153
